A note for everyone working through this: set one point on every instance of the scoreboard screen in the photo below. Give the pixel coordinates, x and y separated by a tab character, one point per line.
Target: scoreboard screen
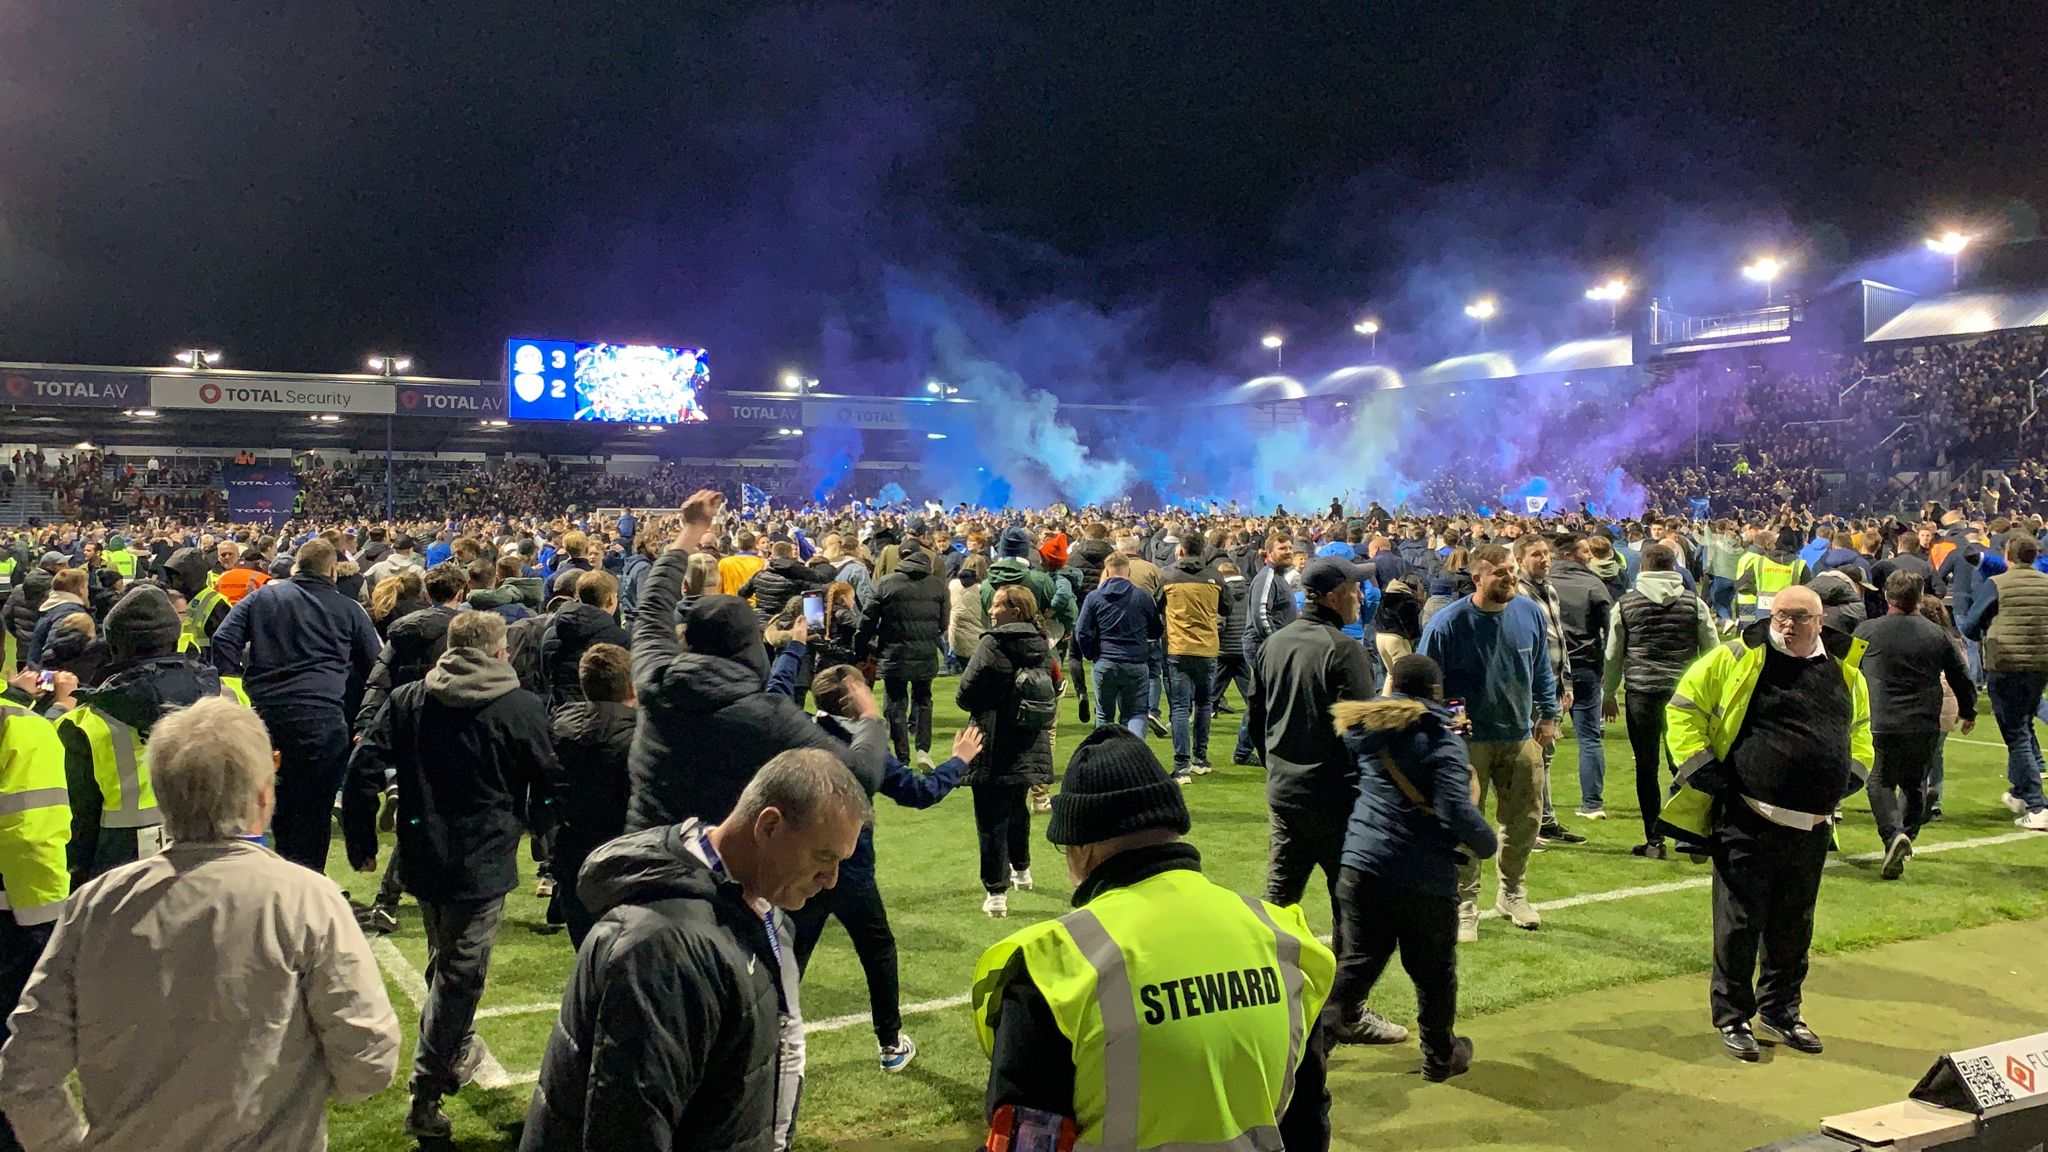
612	383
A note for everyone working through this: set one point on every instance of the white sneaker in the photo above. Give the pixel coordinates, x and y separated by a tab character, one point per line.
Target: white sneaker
1468	923
1020	878
924	759
2014	804
996	905
1514	906
2034	821
898	1056
1592	813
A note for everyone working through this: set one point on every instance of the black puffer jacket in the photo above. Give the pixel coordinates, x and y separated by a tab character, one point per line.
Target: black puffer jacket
25	606
783	580
672	1027
987	686
592	740
575	627
901	628
1086	560
410	648
708	722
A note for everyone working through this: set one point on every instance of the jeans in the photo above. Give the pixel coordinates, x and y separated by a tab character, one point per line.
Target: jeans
313	747
1158	657
2014	696
858	905
392	887
1378	918
1936	773
1973	655
1589	726
1122	692
1721	596
1002	824
460	934
1189	682
1898	781
1244	753
1644	714
908	703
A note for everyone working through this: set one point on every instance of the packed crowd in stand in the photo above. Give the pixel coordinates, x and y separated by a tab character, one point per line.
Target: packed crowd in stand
681	714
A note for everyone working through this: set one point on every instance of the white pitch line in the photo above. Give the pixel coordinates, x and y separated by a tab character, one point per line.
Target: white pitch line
489	1073
1978	743
839	1023
503	1010
493	1075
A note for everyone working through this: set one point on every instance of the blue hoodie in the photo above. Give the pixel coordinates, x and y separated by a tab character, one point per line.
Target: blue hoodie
1390	837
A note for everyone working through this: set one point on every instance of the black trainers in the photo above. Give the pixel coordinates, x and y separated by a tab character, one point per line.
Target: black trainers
1157	726
1793	1034
382	919
1557	833
1368	1027
1457	1063
425	1120
1741	1043
1896	854
1654	850
1083	712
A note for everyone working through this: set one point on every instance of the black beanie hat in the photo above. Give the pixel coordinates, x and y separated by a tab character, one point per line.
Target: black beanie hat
142	624
726	626
1114	787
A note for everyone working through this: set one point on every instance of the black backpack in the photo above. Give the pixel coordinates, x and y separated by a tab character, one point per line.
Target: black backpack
1035	702
522	645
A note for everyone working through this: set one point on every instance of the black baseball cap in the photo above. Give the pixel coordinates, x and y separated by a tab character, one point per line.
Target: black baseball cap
1326	574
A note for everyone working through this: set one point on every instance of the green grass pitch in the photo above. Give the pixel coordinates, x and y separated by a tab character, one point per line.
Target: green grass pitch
1592	1029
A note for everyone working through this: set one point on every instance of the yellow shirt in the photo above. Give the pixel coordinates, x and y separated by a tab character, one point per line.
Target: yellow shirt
735	571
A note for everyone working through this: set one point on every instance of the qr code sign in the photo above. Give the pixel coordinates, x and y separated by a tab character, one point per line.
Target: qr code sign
1984	1081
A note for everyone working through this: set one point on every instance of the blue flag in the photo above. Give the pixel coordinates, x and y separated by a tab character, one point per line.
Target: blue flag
751	497
1699	507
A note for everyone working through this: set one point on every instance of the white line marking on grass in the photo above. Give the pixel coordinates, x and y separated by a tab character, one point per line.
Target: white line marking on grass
503	1010
492	1075
840	1023
1978	743
489	1073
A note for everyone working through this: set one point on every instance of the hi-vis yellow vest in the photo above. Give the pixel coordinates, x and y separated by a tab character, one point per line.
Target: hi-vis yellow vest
120	764
1188	1007
1706	713
1768	577
35	817
192	634
122	561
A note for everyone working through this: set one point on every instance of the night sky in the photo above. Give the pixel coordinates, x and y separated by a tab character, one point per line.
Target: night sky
300	184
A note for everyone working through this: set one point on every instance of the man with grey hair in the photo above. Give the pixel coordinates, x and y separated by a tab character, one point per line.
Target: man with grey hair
214	995
681	1023
465	745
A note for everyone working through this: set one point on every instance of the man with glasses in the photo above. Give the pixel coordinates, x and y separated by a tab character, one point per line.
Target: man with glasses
1774	730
